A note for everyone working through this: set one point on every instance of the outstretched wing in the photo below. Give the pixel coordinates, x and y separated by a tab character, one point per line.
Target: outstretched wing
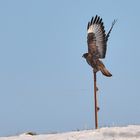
96	37
108	34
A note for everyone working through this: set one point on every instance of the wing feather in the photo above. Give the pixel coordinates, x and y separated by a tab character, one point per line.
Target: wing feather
108	34
96	38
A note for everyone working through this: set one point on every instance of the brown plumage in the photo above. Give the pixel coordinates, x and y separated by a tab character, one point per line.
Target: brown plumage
97	45
96	64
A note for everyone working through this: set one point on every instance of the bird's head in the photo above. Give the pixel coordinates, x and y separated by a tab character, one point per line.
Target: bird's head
85	55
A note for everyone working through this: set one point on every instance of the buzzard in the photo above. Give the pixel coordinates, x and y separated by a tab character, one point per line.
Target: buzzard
97	44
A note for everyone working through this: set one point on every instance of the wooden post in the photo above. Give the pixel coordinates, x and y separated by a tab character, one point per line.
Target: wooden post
95	102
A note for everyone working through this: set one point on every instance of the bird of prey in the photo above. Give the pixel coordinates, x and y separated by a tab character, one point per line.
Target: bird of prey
97	44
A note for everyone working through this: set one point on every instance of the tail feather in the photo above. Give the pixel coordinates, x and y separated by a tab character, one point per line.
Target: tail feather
103	69
106	72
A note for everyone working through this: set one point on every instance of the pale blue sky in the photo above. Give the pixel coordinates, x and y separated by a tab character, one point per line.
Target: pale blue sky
46	85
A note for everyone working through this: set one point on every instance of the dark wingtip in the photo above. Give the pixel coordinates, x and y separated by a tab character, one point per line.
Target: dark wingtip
115	20
88	25
92	20
108	34
100	20
95	19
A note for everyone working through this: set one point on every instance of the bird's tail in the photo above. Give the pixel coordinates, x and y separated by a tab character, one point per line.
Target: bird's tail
103	69
106	72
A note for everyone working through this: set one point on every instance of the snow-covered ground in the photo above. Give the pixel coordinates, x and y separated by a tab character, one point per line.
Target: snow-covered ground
131	132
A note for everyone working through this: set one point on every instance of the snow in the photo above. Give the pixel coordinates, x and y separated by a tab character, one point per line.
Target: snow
131	132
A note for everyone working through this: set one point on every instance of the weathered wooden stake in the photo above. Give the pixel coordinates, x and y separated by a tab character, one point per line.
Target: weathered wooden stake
95	101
